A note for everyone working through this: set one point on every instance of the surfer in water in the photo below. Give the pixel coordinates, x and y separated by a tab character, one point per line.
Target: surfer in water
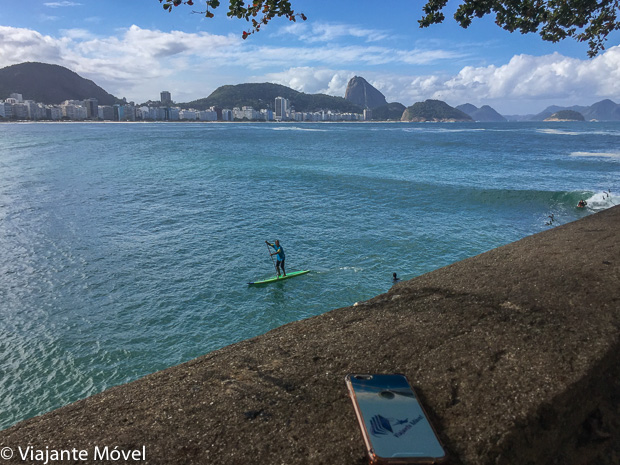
582	203
279	251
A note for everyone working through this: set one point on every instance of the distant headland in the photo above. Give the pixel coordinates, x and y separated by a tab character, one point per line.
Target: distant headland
40	91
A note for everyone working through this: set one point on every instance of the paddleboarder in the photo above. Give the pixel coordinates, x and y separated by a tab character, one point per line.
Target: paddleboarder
279	252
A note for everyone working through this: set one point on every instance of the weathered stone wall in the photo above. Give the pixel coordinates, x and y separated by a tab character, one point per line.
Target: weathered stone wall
515	354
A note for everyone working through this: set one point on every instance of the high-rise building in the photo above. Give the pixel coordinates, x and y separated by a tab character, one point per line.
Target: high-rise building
282	109
92	108
165	97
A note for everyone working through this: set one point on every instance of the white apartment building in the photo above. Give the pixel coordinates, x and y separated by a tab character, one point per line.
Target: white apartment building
187	115
207	115
266	114
173	114
36	111
54	113
20	111
74	112
227	115
6	110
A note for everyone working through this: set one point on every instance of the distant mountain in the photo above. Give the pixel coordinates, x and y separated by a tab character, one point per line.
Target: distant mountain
513	118
484	114
361	93
605	110
49	84
547	112
263	95
433	110
390	112
566	115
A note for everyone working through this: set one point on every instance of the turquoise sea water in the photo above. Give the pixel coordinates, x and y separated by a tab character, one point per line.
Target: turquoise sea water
126	248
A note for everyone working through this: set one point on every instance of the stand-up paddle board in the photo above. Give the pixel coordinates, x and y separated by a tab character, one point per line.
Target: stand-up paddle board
274	279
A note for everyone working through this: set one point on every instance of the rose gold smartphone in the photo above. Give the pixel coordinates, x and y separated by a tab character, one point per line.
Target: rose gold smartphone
394	425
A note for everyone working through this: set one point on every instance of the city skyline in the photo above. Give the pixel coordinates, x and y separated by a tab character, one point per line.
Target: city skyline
134	50
18	108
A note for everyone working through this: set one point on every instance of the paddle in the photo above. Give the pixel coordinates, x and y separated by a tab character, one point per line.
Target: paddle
273	261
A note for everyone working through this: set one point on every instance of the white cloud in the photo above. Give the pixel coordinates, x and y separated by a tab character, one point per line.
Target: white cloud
332	55
61	4
545	78
19	45
311	80
134	64
329	32
77	34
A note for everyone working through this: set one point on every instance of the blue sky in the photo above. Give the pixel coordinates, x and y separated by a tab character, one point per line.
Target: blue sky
135	49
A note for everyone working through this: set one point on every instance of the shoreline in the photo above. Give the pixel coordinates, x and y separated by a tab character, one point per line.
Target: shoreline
295	122
513	353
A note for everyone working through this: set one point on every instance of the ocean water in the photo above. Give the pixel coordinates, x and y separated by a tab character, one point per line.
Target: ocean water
127	248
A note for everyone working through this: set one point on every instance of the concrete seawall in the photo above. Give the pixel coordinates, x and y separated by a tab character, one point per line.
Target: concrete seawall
515	353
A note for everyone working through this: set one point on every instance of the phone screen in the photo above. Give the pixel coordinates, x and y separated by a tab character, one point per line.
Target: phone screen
395	423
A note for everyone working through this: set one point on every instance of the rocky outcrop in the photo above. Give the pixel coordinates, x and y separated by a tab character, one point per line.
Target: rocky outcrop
390	112
434	111
513	352
361	93
566	115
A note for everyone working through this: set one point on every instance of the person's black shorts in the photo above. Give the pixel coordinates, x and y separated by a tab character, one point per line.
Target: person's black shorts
280	263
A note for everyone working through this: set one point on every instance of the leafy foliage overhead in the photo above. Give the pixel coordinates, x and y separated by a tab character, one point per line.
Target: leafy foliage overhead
588	21
257	13
584	20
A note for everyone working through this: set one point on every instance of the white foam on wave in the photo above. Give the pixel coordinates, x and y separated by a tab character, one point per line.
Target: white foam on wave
558	132
463	130
596	154
294	128
430	128
603	200
563	132
355	269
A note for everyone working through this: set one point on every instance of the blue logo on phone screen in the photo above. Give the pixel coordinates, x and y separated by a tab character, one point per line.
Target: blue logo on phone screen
379	425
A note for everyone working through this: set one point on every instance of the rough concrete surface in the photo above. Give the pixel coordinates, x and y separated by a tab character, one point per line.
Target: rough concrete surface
515	354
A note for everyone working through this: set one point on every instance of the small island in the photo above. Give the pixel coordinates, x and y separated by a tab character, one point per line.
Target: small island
566	115
434	111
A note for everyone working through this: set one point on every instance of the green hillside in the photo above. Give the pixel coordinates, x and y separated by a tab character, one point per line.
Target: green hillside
566	115
50	84
390	112
263	95
434	110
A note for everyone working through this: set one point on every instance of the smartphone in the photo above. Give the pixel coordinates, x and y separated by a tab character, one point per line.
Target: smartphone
394	425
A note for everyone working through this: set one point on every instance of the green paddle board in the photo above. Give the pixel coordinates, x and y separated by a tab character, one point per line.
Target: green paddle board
281	278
